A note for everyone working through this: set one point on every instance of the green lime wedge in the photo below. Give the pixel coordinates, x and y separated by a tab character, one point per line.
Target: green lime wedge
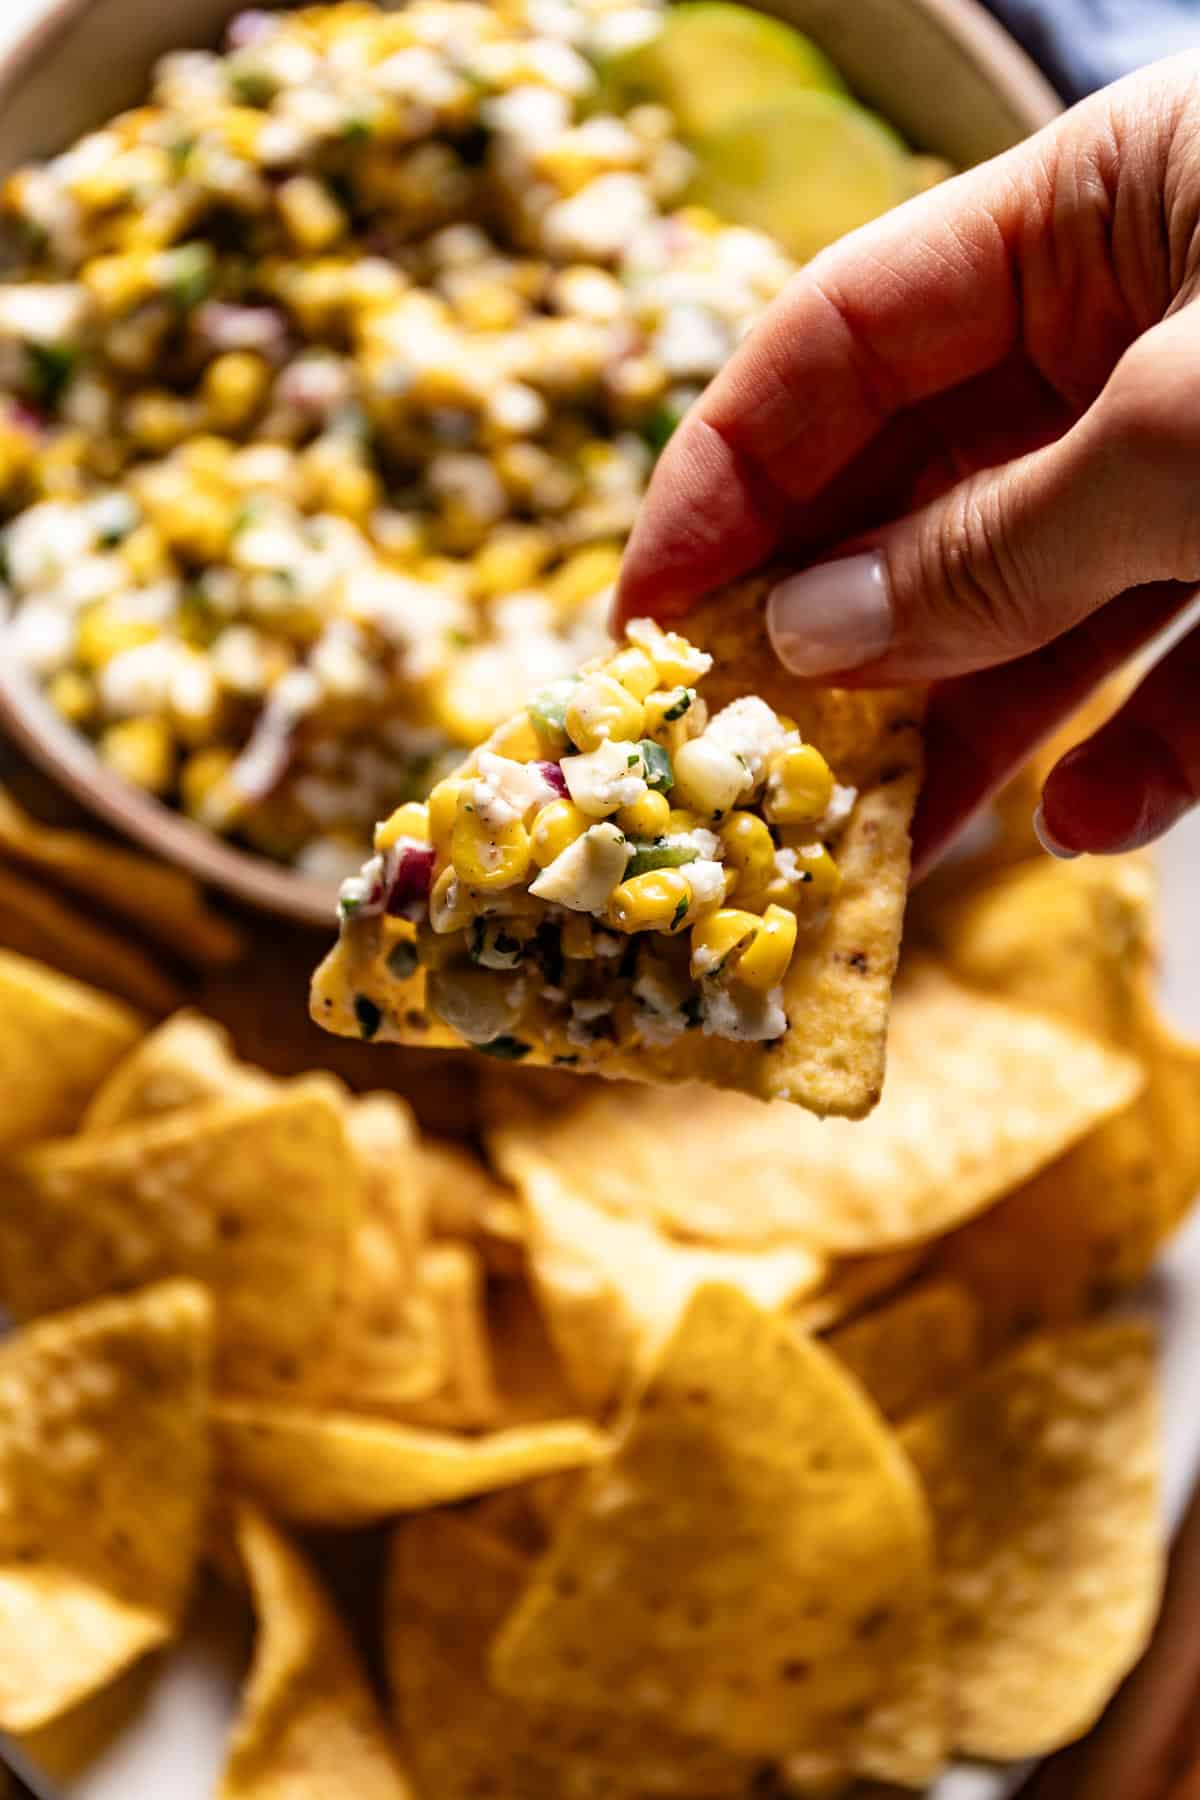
713	60
806	169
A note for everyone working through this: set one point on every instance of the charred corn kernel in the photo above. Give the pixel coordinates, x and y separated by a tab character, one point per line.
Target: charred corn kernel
554	828
510	561
158	420
141	752
634	670
584	574
102	634
408	821
657	901
578	939
601	709
669	711
235	386
799	786
442	807
72	696
719	936
312	216
488	858
205	788
708	777
449	903
144	553
649	817
763	963
119	283
749	850
517	740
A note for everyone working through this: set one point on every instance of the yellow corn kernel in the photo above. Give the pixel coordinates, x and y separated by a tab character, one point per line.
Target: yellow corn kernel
488	306
351	489
649	817
668	713
819	874
235	386
449	903
700	218
510	561
634	670
680	664
158	420
488	858
241	128
72	696
584	574
206	456
119	283
311	215
141	752
102	634
57	470
749	850
656	901
601	709
144	554
578	940
719	936
205	789
198	523
16	456
408	821
763	963
442	808
554	829
799	786
517	740
681	818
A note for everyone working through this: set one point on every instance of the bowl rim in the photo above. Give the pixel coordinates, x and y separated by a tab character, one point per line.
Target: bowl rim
66	755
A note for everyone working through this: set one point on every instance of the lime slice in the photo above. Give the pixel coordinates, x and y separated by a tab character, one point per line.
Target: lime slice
806	169
712	60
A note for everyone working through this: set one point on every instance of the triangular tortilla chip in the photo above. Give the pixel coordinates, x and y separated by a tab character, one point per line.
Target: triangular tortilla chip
452	1282
35	922
612	1290
340	1469
254	1199
184	1060
309	1726
835	994
980	1096
466	1200
1043	1479
448	1590
693	1579
104	1472
58	1042
913	1350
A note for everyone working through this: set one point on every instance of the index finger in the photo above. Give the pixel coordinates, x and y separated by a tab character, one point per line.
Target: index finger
904	308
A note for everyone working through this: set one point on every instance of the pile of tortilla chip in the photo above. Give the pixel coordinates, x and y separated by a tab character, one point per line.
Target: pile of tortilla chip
723	1453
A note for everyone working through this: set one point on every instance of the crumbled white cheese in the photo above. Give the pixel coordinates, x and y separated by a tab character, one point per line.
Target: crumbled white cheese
587	871
596	223
742	1013
750	730
605	779
42	312
505	791
837	812
707	882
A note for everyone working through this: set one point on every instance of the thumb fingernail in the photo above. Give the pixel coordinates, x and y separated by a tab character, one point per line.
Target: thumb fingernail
837	615
1047	839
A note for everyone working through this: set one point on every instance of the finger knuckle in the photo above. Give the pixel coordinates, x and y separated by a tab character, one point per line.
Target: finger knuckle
971	570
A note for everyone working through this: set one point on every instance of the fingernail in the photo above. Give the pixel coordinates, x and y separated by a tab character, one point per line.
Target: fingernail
1047	839
837	615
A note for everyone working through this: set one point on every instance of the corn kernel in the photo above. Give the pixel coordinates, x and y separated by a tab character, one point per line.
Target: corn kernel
670	713
144	554
408	821
819	873
488	858
600	709
158	420
555	827
517	740
102	634
241	128
708	777
442	807
680	818
656	901
750	852
353	490
763	963
72	696
680	664
449	903
720	936
585	573
312	216
120	282
799	786
205	789
634	670
578	940
198	524
235	386
141	752
649	817
206	456
488	306
510	561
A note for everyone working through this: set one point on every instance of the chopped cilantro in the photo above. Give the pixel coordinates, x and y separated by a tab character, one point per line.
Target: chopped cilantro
402	959
51	369
659	855
680	705
357	129
348	904
191	269
633	759
507	1049
369	1016
179	152
659	774
251	86
680	913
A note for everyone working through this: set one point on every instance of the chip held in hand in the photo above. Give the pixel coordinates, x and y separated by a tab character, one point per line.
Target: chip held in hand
677	865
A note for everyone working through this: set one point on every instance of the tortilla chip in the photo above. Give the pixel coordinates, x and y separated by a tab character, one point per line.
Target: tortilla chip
453	1284
449	1588
162	900
254	1199
1016	803
612	1290
980	1095
1074	939
854	1283
913	1351
529	1372
1092	1224
35	923
383	1134
309	1725
184	1060
467	1201
835	994
751	1564
1043	1479
340	1469
103	1484
58	1041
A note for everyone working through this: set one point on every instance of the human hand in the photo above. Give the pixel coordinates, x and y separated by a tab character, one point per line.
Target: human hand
973	428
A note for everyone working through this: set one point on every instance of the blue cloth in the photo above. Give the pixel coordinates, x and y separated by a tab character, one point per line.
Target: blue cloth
1082	44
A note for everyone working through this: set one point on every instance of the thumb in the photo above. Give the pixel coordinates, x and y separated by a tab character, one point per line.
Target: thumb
1011	557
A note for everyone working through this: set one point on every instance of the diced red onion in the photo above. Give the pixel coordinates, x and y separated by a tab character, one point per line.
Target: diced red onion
410	882
551	773
248	28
